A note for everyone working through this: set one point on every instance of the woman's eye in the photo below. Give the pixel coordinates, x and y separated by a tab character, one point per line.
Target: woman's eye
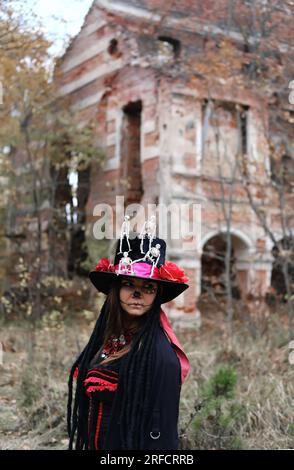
147	287
150	288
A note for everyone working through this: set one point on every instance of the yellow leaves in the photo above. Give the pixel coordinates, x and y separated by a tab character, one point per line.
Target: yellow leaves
222	60
57	300
56	282
88	315
52	320
289	117
29	310
8	306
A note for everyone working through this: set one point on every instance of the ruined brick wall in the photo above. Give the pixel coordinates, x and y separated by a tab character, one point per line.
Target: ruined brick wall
130	69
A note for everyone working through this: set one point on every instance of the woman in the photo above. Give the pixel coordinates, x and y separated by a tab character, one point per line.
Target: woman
129	376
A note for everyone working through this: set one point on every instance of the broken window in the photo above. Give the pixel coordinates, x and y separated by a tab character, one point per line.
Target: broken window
213	268
283	267
242	119
287	164
113	47
282	171
282	151
130	163
224	136
250	65
168	49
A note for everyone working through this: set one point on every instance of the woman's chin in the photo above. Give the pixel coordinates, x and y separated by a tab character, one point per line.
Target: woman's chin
134	311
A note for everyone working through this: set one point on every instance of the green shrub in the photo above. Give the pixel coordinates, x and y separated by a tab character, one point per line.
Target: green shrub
217	421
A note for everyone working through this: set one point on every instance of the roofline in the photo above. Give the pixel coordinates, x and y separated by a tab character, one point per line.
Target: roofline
121	9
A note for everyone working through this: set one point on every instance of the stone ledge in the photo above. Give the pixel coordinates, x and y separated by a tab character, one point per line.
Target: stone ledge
181	320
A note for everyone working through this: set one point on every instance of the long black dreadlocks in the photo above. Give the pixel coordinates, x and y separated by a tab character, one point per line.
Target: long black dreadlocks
134	384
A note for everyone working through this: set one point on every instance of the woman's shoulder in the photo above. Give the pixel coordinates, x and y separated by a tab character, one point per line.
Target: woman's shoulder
165	333
165	348
167	368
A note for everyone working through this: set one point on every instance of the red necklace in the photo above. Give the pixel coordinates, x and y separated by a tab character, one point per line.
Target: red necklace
115	344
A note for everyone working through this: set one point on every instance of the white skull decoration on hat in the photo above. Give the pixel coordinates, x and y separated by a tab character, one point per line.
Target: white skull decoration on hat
125	265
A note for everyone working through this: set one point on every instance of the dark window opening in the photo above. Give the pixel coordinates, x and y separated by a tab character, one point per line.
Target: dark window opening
213	280
242	117
283	267
113	47
239	119
287	167
130	165
250	65
282	171
169	48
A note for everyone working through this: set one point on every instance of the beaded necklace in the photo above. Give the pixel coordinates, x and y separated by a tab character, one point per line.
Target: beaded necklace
114	344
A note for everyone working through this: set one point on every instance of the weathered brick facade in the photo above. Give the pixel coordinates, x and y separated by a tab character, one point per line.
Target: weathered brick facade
129	69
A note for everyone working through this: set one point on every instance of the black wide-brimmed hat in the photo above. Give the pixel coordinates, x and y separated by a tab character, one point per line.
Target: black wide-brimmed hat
142	257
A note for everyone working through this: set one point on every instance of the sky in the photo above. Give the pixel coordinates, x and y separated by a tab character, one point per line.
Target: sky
60	19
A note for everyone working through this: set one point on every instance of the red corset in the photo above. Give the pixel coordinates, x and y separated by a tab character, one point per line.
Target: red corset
100	379
100	385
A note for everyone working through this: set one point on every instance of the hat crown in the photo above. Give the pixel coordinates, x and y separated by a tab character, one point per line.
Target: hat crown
135	253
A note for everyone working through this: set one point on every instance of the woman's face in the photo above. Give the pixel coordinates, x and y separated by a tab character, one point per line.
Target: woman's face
137	295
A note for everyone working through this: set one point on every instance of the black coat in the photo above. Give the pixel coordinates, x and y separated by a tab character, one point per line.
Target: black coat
165	394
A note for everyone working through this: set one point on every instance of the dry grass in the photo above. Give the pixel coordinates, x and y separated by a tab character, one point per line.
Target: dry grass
265	386
34	383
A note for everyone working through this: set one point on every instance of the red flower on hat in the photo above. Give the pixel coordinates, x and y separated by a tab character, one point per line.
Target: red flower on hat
171	272
104	265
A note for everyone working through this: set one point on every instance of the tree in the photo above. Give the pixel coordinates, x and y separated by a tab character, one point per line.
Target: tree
40	144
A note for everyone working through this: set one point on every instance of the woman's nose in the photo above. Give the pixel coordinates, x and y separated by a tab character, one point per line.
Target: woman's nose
137	293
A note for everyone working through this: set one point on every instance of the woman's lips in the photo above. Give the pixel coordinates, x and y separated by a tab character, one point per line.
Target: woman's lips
136	305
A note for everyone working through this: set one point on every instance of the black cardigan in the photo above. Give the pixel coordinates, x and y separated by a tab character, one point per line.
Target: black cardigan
165	397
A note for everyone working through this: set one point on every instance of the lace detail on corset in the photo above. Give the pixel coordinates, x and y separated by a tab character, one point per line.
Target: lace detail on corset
100	379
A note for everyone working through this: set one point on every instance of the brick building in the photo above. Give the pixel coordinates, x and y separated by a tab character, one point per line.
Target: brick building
170	137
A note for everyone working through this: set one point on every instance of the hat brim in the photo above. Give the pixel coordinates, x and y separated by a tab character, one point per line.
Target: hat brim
102	281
